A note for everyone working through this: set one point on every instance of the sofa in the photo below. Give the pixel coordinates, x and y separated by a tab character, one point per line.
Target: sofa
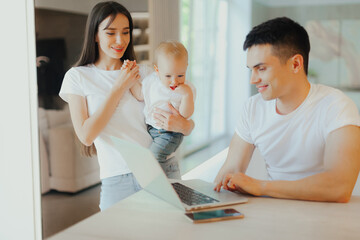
63	168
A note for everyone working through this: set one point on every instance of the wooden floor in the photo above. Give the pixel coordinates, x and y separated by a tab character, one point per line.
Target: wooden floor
61	210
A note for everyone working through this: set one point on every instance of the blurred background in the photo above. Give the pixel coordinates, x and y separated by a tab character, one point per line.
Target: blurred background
213	32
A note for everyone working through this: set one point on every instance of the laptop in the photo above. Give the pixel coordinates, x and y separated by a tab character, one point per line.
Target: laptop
189	195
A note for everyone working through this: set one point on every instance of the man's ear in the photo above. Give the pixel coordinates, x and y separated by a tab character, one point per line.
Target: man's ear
297	63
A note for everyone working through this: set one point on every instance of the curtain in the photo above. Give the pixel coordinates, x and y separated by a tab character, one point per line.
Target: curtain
204	33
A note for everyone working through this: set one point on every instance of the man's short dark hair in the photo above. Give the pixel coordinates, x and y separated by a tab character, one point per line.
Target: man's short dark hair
286	37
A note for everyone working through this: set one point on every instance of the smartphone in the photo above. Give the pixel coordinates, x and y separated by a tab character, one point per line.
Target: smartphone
215	215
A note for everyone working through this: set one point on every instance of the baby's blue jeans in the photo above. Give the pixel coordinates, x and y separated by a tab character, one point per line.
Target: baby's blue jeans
165	143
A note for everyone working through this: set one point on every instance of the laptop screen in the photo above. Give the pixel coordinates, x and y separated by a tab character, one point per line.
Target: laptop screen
147	170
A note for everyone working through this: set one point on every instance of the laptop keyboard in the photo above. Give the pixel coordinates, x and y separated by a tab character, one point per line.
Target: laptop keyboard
190	196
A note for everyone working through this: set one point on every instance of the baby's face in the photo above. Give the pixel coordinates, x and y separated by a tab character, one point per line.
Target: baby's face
171	71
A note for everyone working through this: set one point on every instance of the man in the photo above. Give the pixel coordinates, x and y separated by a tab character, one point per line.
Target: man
308	134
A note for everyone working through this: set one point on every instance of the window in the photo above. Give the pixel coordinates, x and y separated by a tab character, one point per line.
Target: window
204	34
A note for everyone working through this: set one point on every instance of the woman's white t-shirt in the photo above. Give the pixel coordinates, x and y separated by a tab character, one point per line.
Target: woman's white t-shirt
126	123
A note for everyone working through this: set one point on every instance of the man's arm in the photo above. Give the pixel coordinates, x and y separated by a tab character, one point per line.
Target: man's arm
237	160
335	184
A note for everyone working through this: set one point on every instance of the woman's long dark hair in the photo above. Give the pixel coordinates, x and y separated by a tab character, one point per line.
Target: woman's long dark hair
90	50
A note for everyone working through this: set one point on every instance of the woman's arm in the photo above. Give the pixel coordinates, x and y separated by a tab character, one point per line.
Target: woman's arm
173	121
88	128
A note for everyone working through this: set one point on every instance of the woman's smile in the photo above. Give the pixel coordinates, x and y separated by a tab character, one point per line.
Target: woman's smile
118	49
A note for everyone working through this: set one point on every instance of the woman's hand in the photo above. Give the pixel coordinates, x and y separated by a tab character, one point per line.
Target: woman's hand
129	75
173	121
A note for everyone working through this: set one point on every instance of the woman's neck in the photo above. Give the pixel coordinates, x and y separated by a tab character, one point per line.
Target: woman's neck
108	64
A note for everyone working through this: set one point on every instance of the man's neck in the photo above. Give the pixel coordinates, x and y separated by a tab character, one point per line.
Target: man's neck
293	99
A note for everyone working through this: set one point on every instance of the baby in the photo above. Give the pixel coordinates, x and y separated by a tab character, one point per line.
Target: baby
166	85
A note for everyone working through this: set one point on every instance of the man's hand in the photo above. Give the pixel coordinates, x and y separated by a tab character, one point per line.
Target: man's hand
334	184
237	160
220	177
242	183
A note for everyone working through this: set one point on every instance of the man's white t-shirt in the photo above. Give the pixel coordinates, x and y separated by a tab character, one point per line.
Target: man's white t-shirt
156	95
127	122
293	145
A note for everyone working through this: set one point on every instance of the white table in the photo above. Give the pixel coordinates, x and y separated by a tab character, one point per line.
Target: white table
144	216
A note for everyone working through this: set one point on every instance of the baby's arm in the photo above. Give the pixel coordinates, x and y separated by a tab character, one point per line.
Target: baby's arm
136	91
186	108
136	88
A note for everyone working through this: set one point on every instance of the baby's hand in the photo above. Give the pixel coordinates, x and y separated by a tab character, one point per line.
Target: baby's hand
183	89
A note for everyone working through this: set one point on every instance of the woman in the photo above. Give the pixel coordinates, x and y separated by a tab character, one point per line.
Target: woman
101	105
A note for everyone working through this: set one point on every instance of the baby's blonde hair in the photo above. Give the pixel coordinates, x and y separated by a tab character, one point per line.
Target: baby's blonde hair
171	48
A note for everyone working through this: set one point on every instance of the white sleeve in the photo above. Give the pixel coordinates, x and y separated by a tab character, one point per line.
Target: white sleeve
72	84
341	112
242	127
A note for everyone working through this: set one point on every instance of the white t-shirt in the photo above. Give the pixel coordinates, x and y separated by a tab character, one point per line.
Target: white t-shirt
156	95
127	121
293	145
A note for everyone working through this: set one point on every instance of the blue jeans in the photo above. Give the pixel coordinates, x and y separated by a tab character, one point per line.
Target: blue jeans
165	143
114	189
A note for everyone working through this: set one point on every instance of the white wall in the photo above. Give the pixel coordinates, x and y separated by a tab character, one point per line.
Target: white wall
20	216
164	22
